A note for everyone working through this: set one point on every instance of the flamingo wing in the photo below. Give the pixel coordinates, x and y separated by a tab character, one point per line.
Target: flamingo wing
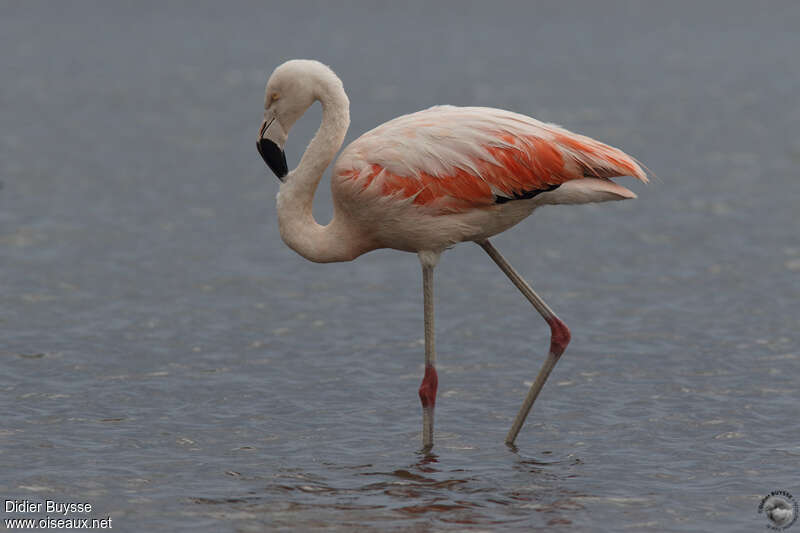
451	159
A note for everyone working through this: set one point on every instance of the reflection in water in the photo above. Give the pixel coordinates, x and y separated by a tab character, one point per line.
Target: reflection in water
425	490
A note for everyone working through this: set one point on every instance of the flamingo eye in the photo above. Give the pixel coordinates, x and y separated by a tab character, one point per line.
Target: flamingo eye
273	97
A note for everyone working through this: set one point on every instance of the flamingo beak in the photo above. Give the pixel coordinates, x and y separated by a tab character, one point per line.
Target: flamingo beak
272	154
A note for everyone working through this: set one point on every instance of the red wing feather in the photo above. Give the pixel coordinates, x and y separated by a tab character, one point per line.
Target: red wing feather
485	165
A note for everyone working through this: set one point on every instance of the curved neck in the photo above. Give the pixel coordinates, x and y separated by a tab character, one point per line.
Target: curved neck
299	230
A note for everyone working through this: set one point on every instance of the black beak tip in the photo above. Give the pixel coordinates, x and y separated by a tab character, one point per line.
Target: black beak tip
274	157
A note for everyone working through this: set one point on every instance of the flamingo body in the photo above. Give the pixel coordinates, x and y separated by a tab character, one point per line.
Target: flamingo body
428	180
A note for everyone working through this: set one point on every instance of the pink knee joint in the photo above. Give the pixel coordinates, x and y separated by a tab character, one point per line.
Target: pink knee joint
427	391
559	336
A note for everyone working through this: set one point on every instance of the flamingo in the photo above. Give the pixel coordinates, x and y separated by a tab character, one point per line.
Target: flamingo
426	181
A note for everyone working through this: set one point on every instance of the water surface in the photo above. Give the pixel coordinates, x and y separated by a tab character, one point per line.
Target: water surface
164	357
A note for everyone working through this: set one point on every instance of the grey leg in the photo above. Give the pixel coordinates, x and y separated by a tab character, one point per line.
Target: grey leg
559	337
427	390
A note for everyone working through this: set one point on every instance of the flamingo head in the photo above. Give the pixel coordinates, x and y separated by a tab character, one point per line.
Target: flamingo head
291	90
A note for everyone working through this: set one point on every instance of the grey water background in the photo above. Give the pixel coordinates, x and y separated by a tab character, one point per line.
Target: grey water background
164	357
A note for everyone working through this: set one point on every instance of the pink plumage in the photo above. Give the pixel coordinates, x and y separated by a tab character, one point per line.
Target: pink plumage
458	158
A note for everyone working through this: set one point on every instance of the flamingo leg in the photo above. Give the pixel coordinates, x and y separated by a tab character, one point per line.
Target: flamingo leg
559	337
427	390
